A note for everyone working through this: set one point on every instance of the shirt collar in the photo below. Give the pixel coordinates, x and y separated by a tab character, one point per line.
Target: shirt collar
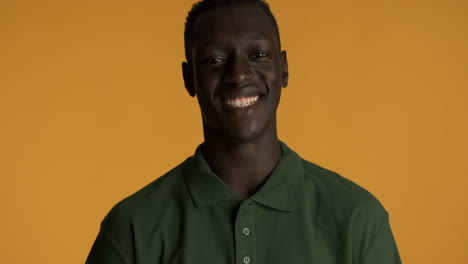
280	191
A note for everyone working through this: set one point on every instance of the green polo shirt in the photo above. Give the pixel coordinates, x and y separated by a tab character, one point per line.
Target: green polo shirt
302	214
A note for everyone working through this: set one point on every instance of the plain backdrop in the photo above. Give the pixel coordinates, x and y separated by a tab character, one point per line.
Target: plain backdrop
93	108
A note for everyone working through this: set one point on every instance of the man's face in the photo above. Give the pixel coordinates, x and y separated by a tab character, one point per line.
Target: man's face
236	71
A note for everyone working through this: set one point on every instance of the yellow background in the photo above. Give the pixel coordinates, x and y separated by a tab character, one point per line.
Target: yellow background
92	108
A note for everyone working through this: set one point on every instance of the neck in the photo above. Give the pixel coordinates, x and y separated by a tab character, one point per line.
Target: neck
242	165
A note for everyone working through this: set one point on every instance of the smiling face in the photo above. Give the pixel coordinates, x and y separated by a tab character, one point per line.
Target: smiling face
236	70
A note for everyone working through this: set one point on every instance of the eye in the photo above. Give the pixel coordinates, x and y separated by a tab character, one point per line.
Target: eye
261	56
213	61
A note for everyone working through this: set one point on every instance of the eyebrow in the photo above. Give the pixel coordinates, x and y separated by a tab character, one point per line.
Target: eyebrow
208	43
254	37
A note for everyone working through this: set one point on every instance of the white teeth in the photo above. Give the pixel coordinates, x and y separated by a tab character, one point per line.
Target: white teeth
241	101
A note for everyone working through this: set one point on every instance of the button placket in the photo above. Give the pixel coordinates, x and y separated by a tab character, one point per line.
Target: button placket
245	239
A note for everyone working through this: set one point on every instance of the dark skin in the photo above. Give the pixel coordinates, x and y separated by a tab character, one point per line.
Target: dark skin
236	69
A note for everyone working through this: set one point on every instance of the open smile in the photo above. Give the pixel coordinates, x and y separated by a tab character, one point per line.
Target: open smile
242	101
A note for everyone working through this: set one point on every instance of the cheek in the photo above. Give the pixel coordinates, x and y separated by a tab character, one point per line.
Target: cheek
272	79
207	82
270	71
205	89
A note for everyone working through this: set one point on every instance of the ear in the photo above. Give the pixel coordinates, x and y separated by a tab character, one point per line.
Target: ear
284	69
187	74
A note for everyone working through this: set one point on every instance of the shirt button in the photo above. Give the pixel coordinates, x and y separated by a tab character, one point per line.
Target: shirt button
246	259
246	231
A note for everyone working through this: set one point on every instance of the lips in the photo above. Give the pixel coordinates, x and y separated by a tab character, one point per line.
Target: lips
241	102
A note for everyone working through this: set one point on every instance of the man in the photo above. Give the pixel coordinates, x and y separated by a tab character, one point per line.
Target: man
244	197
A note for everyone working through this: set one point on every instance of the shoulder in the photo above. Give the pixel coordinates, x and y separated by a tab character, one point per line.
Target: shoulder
341	203
337	189
148	204
350	214
131	220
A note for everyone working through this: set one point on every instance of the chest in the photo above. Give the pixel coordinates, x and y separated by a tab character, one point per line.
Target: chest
245	233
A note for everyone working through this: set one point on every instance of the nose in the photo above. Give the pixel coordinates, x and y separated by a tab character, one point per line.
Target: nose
238	72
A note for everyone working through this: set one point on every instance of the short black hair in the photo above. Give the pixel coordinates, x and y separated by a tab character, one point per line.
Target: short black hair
205	5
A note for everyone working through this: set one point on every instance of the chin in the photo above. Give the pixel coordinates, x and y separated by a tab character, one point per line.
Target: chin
247	135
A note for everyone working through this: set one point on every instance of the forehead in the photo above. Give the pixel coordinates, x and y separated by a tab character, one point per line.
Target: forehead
232	23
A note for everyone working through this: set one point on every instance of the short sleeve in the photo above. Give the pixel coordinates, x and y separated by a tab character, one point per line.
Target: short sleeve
383	249
106	251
